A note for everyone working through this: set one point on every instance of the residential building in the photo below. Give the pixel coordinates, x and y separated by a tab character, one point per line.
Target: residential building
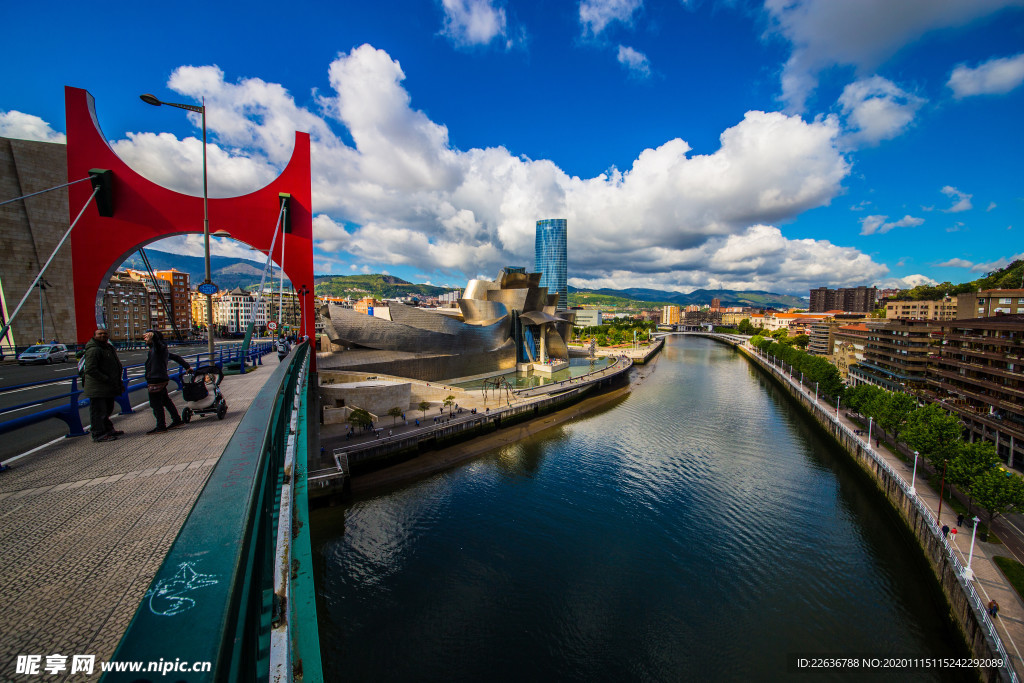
822	331
895	355
848	343
233	311
551	258
180	300
670	315
702	317
990	302
126	307
978	373
716	303
364	305
941	309
849	299
197	303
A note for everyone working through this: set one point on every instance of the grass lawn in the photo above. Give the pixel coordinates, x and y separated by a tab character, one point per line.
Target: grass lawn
1014	572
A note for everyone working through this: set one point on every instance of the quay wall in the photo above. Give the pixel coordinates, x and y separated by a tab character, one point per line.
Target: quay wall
965	606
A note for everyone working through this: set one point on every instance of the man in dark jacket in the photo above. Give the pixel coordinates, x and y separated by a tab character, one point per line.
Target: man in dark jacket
157	379
101	384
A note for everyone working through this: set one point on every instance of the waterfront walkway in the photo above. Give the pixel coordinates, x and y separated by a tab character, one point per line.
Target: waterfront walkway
84	526
989	581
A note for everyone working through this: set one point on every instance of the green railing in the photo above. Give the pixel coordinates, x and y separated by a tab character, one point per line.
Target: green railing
236	588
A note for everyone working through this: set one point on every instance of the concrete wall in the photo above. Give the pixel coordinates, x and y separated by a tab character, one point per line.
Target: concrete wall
29	232
376	398
967	614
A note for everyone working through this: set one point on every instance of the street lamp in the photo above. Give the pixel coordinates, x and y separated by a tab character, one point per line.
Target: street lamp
968	573
303	291
152	99
913	477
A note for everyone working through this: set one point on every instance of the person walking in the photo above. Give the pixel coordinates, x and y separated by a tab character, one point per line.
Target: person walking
282	348
993	608
101	384
157	379
960	519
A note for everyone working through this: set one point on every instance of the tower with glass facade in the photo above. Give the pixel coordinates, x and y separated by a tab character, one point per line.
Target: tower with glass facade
550	258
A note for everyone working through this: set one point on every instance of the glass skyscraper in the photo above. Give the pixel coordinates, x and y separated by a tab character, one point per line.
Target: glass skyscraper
550	258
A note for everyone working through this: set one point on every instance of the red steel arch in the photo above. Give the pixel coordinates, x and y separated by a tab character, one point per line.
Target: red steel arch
145	212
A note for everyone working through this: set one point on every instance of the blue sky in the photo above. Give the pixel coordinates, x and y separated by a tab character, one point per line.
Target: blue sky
777	145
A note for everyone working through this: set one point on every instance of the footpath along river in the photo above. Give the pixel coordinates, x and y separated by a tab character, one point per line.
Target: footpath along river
700	528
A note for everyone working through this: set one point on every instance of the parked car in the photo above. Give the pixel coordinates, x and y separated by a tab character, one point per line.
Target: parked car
43	353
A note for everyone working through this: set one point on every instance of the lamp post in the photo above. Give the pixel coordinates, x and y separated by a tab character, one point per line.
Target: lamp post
303	291
913	477
870	422
152	99
815	392
968	573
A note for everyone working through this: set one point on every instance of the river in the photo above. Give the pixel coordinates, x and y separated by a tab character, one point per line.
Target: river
700	528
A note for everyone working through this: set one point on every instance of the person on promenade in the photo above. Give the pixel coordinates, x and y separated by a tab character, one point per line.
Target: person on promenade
101	384
945	530
157	379
993	608
282	348
960	519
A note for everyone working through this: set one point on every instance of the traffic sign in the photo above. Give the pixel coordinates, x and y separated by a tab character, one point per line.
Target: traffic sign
272	325
207	288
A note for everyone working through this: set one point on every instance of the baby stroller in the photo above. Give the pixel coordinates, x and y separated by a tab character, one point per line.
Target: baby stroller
200	400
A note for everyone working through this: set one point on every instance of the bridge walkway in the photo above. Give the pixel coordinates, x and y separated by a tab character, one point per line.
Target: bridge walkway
85	526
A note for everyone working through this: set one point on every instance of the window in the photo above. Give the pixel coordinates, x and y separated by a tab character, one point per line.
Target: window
1005	301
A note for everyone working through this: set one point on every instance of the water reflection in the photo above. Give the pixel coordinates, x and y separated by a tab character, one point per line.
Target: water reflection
701	528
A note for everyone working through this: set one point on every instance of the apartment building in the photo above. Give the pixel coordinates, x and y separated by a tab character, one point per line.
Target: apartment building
977	371
670	315
940	309
990	302
896	355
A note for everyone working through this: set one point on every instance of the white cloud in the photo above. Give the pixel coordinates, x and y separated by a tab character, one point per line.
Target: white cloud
635	61
991	206
876	109
906	282
192	245
869	225
995	77
997	264
474	22
400	194
955	263
20	126
596	15
961	200
858	33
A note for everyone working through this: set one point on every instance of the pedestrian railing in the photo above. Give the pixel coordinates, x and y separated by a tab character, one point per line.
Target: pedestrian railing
958	569
236	587
71	403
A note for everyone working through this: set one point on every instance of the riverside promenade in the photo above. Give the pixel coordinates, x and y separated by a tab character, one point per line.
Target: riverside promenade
988	580
85	526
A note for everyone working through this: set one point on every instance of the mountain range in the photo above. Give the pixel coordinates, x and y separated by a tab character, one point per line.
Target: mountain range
229	273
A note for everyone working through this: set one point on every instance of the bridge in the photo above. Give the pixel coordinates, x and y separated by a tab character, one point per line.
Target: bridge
731	339
187	549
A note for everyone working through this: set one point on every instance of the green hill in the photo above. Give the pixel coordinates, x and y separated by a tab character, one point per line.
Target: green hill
1009	277
377	286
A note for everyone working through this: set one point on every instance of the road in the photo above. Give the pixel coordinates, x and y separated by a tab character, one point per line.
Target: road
57	378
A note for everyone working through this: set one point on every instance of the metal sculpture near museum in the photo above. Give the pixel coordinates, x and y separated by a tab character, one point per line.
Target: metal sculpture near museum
138	212
512	318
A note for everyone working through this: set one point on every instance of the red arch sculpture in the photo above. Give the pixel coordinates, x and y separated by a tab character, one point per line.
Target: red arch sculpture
145	212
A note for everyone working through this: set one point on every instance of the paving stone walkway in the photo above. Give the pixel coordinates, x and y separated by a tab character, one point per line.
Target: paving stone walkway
84	527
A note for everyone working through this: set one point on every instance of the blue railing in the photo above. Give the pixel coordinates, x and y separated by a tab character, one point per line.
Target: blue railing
236	587
72	403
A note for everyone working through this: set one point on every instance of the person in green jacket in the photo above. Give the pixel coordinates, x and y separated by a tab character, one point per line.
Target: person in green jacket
101	384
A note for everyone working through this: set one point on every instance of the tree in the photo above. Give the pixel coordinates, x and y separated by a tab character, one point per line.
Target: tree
934	433
395	413
973	461
449	401
860	398
801	341
998	492
360	418
892	410
423	408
